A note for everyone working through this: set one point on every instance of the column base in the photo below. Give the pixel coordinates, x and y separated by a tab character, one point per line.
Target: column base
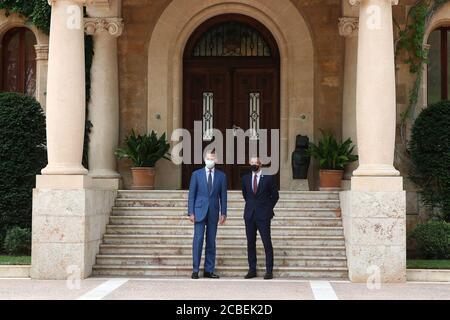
105	183
68	222
346	184
376	170
64	170
375	232
299	185
103	174
63	181
361	183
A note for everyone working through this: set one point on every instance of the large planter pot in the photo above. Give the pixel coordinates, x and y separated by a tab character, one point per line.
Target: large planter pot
331	179
143	178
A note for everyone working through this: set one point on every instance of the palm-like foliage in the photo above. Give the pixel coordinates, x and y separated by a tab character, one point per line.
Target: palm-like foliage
144	150
331	154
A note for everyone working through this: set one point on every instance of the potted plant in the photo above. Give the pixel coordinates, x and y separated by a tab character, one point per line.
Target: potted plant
144	151
333	157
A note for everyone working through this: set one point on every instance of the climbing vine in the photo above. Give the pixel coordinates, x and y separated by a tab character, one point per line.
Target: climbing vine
411	40
38	13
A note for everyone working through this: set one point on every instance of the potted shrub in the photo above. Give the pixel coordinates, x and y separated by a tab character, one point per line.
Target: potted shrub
144	151
333	157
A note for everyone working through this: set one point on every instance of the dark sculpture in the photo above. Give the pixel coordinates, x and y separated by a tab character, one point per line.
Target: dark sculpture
300	160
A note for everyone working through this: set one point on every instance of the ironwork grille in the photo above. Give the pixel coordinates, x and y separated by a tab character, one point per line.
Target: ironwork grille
254	102
231	39
208	115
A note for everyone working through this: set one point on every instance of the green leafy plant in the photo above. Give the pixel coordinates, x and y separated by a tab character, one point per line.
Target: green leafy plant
36	11
331	154
432	239
430	155
22	156
410	40
18	241
144	150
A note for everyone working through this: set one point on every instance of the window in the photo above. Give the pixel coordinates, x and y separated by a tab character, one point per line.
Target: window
19	61
231	39
438	65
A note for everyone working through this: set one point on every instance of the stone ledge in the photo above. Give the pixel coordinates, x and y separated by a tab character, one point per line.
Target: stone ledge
15	271
428	275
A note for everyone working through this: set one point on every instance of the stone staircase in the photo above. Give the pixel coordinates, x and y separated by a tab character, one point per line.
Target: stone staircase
150	235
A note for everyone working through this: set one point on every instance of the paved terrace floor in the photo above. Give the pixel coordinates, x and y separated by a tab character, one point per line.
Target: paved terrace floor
222	289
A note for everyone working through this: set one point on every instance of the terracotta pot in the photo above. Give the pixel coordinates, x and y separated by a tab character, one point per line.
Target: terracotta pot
331	179
143	178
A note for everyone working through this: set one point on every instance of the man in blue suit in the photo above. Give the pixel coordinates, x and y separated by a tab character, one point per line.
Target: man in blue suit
207	197
261	195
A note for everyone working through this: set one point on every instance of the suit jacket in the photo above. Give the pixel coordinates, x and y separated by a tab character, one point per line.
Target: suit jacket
264	201
200	200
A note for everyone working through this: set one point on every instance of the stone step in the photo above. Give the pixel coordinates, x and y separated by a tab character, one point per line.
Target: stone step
221	261
241	240
235	272
183	194
231	212
232	203
176	221
222	230
234	250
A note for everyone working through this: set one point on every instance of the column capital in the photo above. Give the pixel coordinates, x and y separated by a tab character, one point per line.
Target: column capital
41	51
113	26
357	2
348	26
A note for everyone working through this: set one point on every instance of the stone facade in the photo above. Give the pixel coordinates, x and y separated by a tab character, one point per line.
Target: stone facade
325	53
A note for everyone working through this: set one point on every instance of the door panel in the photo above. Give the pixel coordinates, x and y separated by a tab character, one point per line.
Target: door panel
197	82
263	83
231	88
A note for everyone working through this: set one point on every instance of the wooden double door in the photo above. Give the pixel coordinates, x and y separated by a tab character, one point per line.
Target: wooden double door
231	94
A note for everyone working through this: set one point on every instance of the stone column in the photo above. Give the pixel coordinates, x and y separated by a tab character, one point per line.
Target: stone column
348	28
375	94
41	73
69	214
104	104
374	210
65	90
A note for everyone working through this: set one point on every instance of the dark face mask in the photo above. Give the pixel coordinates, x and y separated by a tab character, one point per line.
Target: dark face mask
254	167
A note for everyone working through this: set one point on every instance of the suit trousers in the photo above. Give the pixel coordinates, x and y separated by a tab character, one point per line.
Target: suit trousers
253	225
197	245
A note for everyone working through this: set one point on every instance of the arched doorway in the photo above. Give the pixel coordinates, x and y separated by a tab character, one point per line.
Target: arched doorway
231	71
19	61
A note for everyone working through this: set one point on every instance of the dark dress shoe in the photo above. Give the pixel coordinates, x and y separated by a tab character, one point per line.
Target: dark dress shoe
194	275
250	275
268	276
211	275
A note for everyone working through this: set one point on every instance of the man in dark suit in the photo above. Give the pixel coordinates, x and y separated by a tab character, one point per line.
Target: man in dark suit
261	195
208	188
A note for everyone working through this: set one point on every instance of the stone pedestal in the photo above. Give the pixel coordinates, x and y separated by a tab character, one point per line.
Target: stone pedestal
299	185
374	220
68	223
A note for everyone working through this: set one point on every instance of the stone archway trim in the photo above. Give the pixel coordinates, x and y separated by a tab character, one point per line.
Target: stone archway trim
294	40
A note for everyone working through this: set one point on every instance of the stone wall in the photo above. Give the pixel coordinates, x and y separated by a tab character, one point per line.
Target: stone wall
140	17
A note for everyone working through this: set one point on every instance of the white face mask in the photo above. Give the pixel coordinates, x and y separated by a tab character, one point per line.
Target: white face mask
210	163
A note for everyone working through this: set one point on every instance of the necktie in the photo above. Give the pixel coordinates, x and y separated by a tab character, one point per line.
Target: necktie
255	184
209	181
